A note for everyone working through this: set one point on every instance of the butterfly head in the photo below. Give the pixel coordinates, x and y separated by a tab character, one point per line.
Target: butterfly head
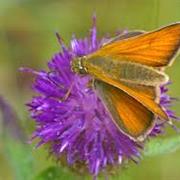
77	65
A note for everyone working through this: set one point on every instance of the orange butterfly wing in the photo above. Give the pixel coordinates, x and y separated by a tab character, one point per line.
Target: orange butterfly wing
155	48
143	94
130	116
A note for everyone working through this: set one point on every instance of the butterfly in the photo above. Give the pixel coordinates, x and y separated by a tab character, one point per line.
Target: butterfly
127	73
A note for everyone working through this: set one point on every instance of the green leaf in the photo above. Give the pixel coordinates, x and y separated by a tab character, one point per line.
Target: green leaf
162	146
20	158
14	140
56	173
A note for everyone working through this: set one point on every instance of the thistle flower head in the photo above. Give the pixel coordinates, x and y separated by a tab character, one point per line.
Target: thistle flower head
71	118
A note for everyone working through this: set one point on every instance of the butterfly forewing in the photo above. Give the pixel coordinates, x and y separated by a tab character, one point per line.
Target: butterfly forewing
140	96
154	49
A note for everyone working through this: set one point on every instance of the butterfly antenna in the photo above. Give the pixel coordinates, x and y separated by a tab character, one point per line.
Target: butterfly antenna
60	39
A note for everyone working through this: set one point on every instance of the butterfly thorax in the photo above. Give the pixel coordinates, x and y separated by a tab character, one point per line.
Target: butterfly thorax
78	66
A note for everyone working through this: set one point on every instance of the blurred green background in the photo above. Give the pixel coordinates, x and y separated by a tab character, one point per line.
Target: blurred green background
27	38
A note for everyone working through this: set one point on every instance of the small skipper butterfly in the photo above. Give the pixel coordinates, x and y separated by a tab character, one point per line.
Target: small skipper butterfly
127	74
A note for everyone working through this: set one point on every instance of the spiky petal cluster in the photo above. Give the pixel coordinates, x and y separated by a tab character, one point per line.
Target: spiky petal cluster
71	118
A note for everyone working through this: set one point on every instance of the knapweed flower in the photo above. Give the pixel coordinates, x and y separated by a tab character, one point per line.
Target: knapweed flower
71	118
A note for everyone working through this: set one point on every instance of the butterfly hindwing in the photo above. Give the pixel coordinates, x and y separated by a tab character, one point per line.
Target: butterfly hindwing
129	115
123	36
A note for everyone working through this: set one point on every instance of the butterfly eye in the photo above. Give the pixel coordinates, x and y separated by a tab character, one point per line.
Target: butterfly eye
75	66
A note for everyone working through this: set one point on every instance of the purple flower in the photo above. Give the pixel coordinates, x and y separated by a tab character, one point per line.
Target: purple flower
72	119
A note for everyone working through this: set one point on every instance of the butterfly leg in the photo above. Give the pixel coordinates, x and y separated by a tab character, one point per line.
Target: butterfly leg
65	97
